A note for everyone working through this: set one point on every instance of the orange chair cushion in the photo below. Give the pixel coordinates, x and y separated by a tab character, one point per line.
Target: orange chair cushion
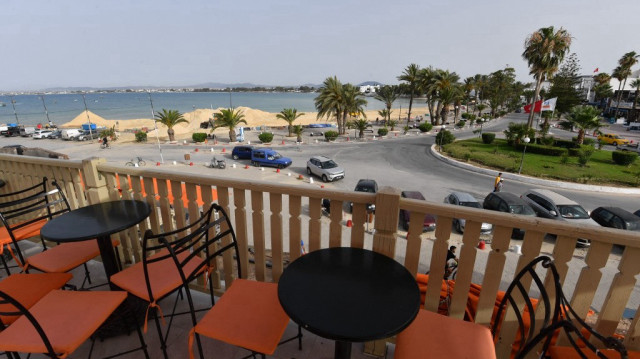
66	256
68	318
432	335
27	289
164	276
28	231
248	315
570	352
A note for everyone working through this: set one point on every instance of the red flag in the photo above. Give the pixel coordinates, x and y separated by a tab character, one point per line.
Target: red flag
537	108
596	70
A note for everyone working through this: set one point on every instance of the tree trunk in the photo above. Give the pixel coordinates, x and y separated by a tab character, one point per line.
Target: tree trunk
232	135
619	98
171	134
580	136
533	103
361	134
410	104
290	126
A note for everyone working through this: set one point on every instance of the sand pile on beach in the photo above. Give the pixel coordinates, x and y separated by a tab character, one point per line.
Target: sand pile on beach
253	117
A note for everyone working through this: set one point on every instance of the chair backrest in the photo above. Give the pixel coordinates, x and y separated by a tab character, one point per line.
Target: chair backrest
534	317
202	238
10	307
29	205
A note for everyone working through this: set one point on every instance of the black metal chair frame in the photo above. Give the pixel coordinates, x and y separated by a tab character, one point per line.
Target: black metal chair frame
6	299
47	204
555	316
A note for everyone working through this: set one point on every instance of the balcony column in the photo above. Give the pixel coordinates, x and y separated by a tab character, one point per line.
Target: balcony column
94	182
384	241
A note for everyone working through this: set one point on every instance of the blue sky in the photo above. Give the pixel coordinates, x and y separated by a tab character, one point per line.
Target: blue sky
291	42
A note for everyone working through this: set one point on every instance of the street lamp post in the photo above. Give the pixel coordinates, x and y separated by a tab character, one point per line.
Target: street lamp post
481	123
441	135
526	141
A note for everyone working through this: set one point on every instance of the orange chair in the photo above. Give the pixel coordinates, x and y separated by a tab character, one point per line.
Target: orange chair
432	335
59	322
23	216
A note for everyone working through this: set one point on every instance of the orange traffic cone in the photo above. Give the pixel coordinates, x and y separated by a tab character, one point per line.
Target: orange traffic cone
300	177
278	170
190	163
246	167
196	150
224	149
157	163
283	142
349	223
321	186
481	245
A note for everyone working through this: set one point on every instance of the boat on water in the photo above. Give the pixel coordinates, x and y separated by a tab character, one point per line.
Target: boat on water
2	104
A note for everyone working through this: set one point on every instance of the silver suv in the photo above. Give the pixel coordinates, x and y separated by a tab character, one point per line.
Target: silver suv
548	204
324	168
466	200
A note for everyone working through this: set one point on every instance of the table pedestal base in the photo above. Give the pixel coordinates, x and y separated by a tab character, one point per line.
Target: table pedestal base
343	350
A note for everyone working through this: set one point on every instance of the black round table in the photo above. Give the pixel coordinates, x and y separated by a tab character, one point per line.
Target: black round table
349	295
98	221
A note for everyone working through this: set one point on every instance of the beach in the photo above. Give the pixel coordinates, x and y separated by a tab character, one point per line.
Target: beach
253	117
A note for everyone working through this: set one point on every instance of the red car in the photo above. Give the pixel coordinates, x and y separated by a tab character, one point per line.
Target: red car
429	223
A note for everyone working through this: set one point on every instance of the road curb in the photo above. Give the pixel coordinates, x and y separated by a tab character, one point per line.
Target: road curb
532	180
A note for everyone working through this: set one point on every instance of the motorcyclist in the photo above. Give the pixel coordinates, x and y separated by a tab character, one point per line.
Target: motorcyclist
105	141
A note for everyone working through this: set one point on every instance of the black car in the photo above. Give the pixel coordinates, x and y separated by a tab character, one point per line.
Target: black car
369	186
615	217
508	203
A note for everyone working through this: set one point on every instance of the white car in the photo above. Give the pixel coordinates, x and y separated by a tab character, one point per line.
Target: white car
324	168
42	134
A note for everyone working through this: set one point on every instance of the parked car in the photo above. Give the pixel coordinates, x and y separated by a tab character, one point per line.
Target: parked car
55	134
429	222
242	152
612	139
316	133
466	200
324	168
269	157
369	186
39	134
70	133
548	204
637	213
27	131
11	131
616	217
87	135
509	203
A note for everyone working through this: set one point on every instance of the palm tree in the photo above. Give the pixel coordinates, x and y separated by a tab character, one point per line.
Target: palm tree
170	118
585	118
360	125
427	78
623	71
392	124
636	85
228	118
289	115
298	129
387	95
386	114
330	101
468	87
354	103
411	75
481	108
544	51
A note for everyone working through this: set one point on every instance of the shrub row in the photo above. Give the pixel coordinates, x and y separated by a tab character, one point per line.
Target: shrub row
488	137
331	135
383	131
199	137
425	127
543	150
624	158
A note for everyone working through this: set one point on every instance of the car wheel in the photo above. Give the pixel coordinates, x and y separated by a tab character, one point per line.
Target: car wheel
253	163
309	171
280	166
615	144
235	157
324	178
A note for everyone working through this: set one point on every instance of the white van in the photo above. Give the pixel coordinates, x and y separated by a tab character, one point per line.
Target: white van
70	134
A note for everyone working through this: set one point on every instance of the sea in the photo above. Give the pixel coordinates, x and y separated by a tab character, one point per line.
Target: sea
34	109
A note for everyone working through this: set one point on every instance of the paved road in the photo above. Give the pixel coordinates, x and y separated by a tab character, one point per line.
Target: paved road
403	161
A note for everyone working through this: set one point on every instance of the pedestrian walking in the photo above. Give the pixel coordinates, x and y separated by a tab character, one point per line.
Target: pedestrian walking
496	181
499	185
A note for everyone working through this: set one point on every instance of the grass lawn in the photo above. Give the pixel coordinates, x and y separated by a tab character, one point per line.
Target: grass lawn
600	170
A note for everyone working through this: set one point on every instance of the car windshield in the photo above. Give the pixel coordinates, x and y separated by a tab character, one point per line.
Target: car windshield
362	188
573	211
275	156
328	164
521	209
471	204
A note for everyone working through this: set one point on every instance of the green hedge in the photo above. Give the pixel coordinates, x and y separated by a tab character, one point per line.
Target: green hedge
141	136
566	144
543	150
331	135
461	123
425	127
624	158
444	137
488	137
383	131
199	137
265	137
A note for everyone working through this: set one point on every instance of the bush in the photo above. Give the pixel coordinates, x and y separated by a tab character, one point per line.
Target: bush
265	137
331	135
488	137
383	131
566	144
199	137
141	136
425	127
584	155
624	158
542	150
589	141
547	140
461	123
444	137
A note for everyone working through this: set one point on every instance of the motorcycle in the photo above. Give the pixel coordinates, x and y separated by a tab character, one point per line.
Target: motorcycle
216	163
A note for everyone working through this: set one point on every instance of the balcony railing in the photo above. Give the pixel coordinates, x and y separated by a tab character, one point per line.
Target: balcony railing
274	218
